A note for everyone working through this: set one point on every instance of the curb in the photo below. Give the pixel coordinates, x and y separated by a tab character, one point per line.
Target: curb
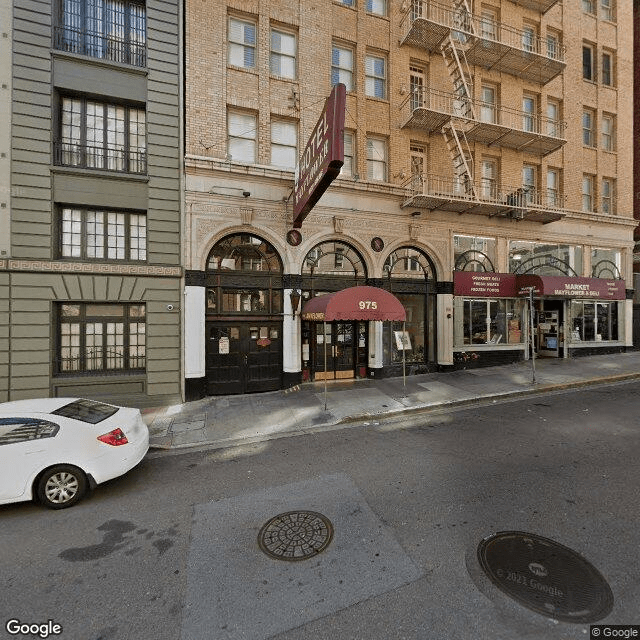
230	442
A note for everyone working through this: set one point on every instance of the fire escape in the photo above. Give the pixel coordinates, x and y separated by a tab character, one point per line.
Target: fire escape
464	41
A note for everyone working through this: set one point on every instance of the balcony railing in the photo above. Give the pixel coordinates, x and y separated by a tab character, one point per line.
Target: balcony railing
541	6
107	158
487	198
99	45
483	122
490	44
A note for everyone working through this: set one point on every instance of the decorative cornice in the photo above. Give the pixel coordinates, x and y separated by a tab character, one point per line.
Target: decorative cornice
50	266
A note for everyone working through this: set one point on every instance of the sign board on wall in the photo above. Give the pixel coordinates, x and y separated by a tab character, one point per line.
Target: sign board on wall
484	284
323	156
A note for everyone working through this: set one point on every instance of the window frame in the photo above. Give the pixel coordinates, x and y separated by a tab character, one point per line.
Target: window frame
588	74
280	145
377	162
131	363
588	180
606	72
608	202
84	232
608	138
372	79
369	8
349	168
607	11
273	54
337	70
247	46
231	138
588	128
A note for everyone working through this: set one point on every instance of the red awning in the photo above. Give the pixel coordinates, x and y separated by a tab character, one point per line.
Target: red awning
567	287
354	303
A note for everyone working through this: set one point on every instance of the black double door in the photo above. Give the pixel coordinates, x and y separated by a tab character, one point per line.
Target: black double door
243	356
344	346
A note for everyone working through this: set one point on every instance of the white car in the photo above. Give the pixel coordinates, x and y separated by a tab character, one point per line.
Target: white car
54	449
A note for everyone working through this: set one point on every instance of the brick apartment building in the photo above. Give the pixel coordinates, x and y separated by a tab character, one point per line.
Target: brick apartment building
90	274
485	153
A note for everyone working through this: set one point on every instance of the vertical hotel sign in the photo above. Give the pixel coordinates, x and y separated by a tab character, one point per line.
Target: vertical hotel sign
323	156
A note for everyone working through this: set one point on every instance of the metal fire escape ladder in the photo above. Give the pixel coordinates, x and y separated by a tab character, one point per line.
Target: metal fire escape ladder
462	160
459	71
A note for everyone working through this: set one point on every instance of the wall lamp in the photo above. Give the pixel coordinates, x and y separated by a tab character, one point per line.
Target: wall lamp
416	214
294	296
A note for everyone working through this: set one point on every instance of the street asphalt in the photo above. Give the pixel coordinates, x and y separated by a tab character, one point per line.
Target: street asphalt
221	421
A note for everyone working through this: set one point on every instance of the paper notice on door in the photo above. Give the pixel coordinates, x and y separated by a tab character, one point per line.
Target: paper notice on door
223	346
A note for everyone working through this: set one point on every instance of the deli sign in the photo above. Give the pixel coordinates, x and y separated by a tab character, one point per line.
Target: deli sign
323	156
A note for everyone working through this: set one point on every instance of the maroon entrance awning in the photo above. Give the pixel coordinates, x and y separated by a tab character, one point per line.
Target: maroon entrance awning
354	303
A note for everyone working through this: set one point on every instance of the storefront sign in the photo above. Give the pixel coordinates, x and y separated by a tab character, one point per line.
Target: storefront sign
484	284
567	287
323	156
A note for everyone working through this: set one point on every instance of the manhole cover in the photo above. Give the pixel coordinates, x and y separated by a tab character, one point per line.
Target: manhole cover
295	535
545	576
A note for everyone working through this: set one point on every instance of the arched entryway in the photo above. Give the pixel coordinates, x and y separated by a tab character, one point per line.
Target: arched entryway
411	276
329	267
243	316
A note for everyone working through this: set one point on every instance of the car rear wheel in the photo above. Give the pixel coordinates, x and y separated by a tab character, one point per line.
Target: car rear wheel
61	486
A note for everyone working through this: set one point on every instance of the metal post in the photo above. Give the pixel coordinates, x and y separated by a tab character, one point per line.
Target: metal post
404	359
324	340
533	346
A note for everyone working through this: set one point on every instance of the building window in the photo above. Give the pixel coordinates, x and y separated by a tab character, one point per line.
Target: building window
342	66
607	69
101	338
529	182
528	113
607	196
544	259
606	10
608	131
284	144
588	72
593	321
100	235
242	137
283	54
489	179
110	29
588	118
349	167
418	155
417	84
242	43
376	77
529	38
553	191
347	3
474	253
378	7
488	104
588	6
488	24
96	135
553	45
553	118
377	159
587	192
486	321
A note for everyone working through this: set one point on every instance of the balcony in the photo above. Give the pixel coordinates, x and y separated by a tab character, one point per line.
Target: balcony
541	6
482	122
488	44
449	194
98	45
106	158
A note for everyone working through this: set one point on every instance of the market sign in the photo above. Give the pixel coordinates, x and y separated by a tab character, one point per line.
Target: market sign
484	284
323	156
568	287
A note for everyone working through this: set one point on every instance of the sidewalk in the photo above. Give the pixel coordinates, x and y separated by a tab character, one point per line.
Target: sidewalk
222	421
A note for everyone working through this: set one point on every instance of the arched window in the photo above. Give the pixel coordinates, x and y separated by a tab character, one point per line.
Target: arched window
411	277
334	259
244	274
244	252
473	261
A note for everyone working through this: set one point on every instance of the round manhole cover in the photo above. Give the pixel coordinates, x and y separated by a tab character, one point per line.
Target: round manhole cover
545	576
295	535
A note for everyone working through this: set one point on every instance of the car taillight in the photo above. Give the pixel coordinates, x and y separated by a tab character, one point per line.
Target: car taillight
114	438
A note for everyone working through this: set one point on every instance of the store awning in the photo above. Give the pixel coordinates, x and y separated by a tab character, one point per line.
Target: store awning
567	287
354	303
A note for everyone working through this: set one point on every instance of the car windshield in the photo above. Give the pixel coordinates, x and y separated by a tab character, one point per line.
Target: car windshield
87	411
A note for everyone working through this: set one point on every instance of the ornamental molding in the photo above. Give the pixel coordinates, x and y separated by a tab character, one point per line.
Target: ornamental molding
49	266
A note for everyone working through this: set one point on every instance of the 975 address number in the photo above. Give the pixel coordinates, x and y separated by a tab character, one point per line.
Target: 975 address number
368	304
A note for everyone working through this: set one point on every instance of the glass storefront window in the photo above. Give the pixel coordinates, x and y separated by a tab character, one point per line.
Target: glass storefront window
606	263
472	253
544	259
413	340
593	321
488	321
